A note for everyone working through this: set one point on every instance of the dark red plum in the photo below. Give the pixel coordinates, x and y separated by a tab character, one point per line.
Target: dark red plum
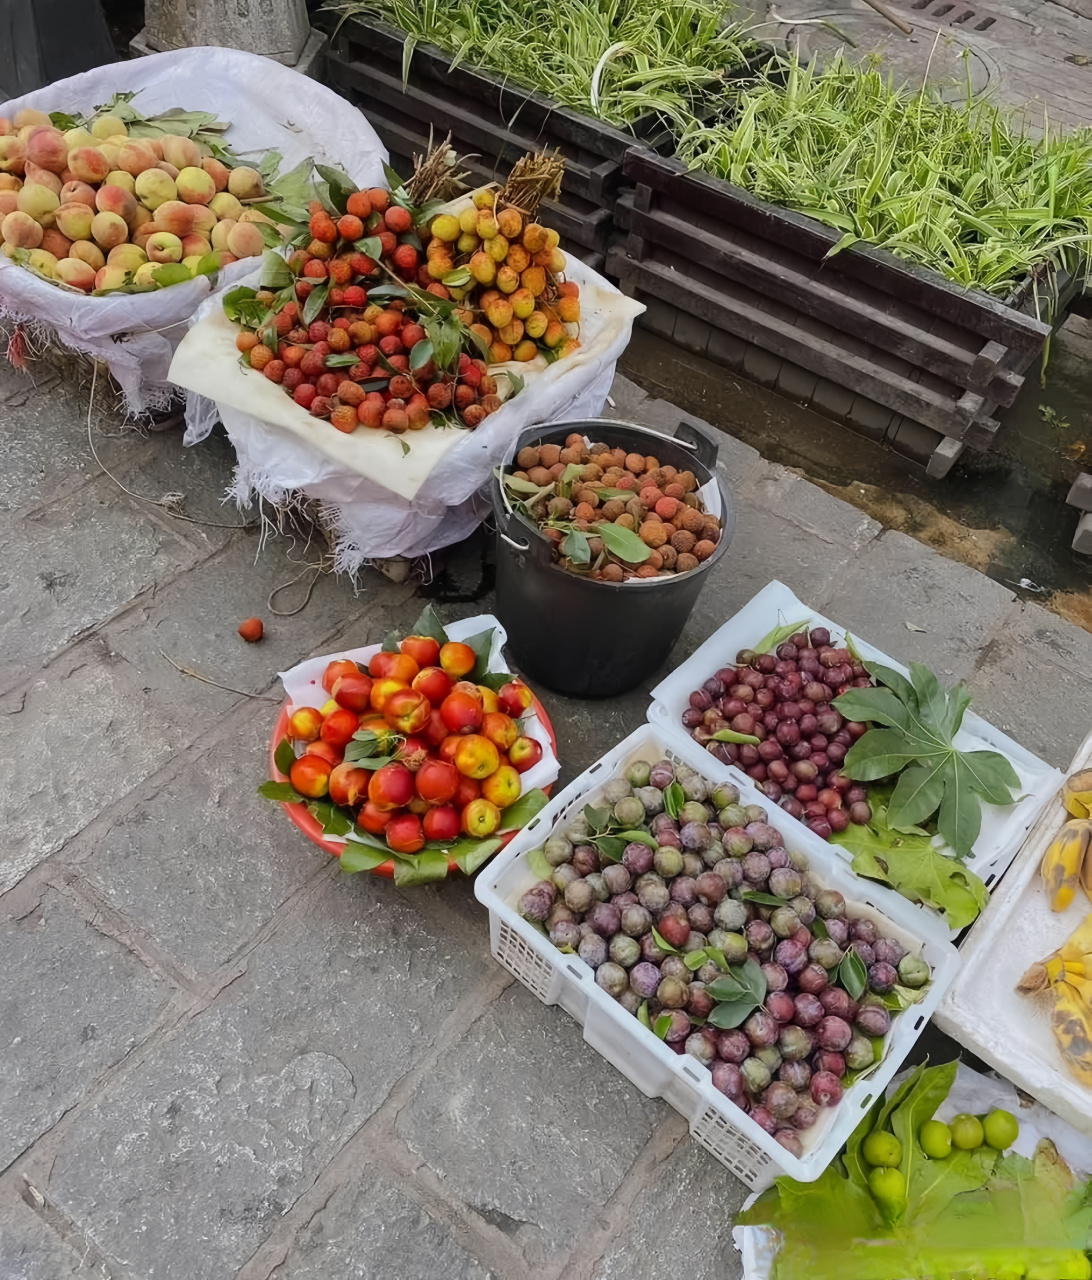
825	1089
833	1033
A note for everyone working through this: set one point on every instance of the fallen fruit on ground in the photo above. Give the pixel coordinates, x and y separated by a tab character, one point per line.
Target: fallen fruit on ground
251	630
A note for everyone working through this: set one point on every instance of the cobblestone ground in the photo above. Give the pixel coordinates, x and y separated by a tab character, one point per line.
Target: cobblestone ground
218	1058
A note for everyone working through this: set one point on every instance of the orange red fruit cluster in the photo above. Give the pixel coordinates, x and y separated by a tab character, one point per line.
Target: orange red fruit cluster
459	748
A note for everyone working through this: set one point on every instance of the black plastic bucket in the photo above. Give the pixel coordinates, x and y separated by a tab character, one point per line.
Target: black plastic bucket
585	638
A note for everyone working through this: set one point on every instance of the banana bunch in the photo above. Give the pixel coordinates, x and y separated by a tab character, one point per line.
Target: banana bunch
1068	861
1067	975
1077	794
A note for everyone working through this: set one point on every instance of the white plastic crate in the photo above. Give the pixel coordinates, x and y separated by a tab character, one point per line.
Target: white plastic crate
984	1011
558	978
1003	828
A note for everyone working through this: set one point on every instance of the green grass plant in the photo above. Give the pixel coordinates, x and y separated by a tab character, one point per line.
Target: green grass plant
959	187
618	60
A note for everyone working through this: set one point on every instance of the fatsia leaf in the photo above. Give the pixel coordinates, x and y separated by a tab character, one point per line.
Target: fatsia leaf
991	775
960	817
894	680
958	701
917	794
932	700
880	753
623	542
877	706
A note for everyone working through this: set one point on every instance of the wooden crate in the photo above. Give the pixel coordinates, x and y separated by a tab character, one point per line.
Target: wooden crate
939	359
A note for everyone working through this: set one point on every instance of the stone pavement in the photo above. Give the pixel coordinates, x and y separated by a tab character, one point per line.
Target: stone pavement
220	1059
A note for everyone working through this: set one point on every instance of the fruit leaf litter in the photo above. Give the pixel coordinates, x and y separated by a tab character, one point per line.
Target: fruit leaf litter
976	1212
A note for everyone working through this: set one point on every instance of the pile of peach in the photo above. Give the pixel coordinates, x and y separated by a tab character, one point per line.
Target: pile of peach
458	748
97	210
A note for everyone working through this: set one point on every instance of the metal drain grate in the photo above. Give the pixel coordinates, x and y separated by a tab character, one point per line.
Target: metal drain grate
955	15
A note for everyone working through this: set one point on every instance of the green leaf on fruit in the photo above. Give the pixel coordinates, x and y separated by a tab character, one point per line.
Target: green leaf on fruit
63	121
575	546
394	179
519	485
718	958
482	645
315	301
753	979
469	855
900	998
241	306
663	943
296	187
209	265
285	215
674	799
611	847
538	866
420	354
496	680
359	857
622	542
335	820
638	837
731	1013
480	343
276	273
642	1015
778	636
171	273
283	792
605	495
819	928
730	735
695	959
516	381
456	279
392	642
428	624
339	184
357	754
853	975
425	867
662	1026
284	757
270	235
573	472
343	360
520	813
598	819
763	899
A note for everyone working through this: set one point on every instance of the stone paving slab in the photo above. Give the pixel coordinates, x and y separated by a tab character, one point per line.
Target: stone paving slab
185	1164
523	1092
52	591
72	1004
31	1250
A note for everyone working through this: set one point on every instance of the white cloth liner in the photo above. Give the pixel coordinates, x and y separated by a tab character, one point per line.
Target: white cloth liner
378	502
270	108
303	685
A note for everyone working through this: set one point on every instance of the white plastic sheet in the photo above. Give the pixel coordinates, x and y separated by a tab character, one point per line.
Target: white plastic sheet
351	475
270	108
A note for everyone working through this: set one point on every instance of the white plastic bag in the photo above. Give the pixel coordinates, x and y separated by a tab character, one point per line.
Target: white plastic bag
351	476
270	108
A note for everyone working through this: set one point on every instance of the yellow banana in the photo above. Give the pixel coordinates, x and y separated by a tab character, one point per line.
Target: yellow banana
1066	975
1064	861
1071	1022
1078	946
1077	794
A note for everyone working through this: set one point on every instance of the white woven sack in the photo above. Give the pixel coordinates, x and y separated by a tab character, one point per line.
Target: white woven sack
270	108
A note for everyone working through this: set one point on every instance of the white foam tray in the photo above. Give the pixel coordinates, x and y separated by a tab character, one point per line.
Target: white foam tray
558	978
1003	828
984	1011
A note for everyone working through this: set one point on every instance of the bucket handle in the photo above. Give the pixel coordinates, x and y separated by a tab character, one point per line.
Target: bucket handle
688	436
519	546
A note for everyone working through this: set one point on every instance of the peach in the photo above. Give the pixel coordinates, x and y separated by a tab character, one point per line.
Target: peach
245	183
13	154
8	203
39	202
154	188
145	273
245	240
141	218
195	186
110	148
29	117
86	251
42	177
10	182
163	247
127	256
111	199
225	205
217	171
66	175
109	229
6	126
88	164
108	126
79	137
46	147
55	243
176	217
119	178
78	193
203	219
168	169
155	146
110	278
221	231
8	249
44	261
183	153
143	234
74	221
134	157
192	262
77	273
195	245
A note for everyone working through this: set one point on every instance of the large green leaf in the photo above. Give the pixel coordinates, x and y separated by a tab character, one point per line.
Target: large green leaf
284	757
959	699
470	855
878	706
894	680
276	273
283	792
623	542
960	817
520	813
991	775
429	624
917	794
360	857
932	700
880	753
420	868
482	645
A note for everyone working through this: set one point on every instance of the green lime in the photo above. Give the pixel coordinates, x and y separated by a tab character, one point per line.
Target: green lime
967	1132
887	1185
936	1139
1001	1129
882	1149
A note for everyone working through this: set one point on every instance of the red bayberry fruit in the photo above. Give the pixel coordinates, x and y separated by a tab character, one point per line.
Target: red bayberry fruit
292	379
398	220
315	270
359	206
321	407
395	420
327	384
274	370
355	295
305	394
405	260
370	414
350	227
344	418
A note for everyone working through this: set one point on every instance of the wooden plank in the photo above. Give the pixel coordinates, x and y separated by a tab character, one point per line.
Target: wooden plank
924	288
816	298
823	358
